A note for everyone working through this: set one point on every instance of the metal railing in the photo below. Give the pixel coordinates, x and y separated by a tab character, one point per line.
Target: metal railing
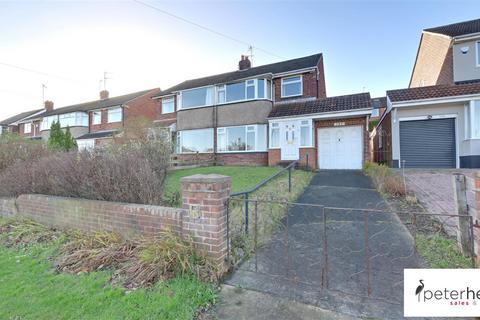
246	194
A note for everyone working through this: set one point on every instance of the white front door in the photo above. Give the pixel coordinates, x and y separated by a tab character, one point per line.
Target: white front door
290	140
340	147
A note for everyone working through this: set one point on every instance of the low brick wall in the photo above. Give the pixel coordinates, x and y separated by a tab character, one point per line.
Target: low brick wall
203	217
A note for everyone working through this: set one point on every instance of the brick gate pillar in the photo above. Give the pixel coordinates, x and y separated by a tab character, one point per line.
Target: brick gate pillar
205	197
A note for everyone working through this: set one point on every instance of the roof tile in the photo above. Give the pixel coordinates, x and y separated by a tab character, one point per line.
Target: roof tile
432	92
457	29
332	104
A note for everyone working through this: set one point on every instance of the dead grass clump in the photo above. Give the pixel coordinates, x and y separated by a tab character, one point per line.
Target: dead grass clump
24	232
163	258
136	263
385	179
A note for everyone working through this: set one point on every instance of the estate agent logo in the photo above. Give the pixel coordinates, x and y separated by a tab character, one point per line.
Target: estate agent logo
441	292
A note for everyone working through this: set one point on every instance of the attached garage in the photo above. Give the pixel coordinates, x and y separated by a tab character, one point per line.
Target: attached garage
340	147
428	143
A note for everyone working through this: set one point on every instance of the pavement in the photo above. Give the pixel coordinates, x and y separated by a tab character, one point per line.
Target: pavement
338	259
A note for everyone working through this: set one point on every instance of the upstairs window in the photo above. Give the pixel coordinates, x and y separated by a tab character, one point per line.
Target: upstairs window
221	94
27	127
236	91
96	117
168	105
292	86
115	115
197	98
47	122
375	112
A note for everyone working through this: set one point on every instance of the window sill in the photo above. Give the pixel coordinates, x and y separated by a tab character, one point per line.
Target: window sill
225	104
193	153
293	96
114	121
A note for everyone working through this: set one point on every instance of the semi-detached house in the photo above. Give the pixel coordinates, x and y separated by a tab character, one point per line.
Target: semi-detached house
91	123
435	123
268	114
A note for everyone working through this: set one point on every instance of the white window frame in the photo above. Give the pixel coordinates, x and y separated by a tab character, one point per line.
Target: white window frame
306	124
477	49
273	126
94	114
248	129
180	99
221	88
111	110
471	115
179	141
27	125
171	100
301	86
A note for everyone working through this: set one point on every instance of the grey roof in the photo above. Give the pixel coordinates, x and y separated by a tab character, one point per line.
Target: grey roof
19	117
332	104
457	29
380	102
99	134
278	67
92	105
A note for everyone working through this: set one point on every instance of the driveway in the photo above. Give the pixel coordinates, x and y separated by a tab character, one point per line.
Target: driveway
352	264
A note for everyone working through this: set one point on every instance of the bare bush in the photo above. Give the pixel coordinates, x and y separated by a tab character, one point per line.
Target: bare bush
14	149
125	172
385	179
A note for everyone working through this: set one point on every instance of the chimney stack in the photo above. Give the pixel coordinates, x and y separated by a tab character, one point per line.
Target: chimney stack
104	94
244	63
48	105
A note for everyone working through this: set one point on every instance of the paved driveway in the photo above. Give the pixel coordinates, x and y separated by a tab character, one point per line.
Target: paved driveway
326	264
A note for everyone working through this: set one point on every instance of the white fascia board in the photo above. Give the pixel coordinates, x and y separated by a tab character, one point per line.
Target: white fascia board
420	102
293	72
31	120
325	115
467	37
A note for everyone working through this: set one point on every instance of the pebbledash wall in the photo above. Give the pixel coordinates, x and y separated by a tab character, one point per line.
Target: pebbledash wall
203	216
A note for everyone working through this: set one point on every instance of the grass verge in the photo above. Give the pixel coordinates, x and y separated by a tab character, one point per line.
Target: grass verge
98	276
441	252
385	179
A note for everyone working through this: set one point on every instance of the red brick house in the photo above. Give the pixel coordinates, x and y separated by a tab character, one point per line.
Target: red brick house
96	122
17	124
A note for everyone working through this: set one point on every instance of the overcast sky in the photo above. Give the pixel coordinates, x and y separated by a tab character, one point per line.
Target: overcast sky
367	45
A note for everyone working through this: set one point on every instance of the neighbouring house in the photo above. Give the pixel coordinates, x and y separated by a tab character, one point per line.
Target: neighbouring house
15	125
436	122
241	117
95	123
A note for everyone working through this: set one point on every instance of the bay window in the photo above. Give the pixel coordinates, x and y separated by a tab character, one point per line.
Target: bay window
115	115
47	122
193	98
225	93
168	105
242	138
195	141
292	86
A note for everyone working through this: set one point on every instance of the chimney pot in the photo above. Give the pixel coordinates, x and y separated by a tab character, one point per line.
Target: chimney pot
104	94
48	105
244	63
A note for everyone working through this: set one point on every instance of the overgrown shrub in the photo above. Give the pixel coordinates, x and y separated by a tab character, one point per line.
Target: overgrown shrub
130	171
14	149
385	179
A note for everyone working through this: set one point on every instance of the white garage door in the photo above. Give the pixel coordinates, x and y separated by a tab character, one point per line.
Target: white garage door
340	147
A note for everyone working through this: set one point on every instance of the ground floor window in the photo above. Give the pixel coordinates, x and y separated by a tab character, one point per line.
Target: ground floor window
193	141
242	138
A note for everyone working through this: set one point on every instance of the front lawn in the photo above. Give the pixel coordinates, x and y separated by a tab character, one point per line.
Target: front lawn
243	178
30	289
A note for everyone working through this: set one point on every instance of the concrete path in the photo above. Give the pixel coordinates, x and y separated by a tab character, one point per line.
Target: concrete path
334	265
